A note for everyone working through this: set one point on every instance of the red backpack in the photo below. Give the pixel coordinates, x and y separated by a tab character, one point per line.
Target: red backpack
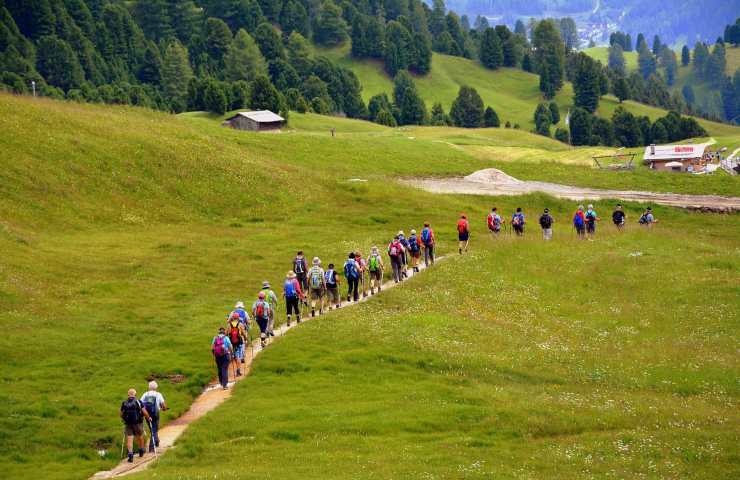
395	248
261	310
234	334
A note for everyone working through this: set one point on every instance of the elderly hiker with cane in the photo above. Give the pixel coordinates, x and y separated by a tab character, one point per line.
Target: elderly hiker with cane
154	403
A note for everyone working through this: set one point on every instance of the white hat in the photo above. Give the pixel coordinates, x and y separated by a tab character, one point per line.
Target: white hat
400	232
413	232
316	261
590	206
239	304
265	284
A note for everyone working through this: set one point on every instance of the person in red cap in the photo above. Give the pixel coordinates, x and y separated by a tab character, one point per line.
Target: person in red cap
261	313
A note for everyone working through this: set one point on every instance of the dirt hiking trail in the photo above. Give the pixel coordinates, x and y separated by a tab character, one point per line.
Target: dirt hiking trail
212	397
492	181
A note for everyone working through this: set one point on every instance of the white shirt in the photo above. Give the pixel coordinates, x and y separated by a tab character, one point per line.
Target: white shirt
157	395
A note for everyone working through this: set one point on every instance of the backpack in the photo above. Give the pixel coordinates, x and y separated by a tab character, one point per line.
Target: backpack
331	278
578	220
517	219
316	278
545	221
413	244
132	412
395	249
426	236
350	269
219	349
289	288
298	265
643	219
262	309
151	405
373	264
590	217
234	335
462	226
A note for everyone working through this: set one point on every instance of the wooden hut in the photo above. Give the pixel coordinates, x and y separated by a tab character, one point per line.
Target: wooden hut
677	158
256	121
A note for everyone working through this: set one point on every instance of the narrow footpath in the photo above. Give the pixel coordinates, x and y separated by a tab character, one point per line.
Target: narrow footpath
214	395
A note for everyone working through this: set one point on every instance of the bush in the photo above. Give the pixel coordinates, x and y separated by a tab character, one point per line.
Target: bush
561	135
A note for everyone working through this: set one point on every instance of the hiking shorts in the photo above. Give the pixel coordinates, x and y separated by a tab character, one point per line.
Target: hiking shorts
135	429
376	275
317	293
416	254
291	305
463	237
239	351
333	294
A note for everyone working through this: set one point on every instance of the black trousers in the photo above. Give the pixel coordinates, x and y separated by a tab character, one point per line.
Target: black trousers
222	365
352	290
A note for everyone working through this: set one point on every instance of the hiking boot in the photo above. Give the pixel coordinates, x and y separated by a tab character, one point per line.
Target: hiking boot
141	452
238	372
130	457
372	292
289	323
298	320
243	361
460	250
313	312
349	299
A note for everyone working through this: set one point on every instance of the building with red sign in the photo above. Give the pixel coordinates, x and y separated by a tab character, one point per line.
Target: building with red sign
677	158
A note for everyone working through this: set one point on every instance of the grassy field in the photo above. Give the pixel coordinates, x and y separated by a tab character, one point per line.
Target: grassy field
602	54
513	93
127	234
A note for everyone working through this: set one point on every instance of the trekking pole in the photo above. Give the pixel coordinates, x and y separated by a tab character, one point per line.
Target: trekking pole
123	442
153	440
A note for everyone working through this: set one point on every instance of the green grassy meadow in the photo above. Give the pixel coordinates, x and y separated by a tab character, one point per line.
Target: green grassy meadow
602	54
126	235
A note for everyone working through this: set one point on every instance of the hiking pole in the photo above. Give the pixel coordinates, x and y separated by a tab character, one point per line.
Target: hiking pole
153	440
123	441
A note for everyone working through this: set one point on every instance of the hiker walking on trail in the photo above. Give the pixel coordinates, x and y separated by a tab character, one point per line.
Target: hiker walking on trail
293	295
618	217
238	337
579	223
427	239
395	250
272	300
241	311
154	403
463	234
375	267
518	222
591	219
404	253
317	286
414	251
133	414
647	219
352	274
331	279
546	222
221	348
261	313
300	267
362	269
494	222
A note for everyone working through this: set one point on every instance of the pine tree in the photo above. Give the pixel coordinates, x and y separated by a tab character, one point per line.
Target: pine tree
621	89
554	113
58	64
243	61
520	29
685	55
491	53
657	45
580	127
176	73
688	94
603	130
151	66
439	117
294	18
215	98
398	48
586	84
385	117
646	62
437	22
269	42
526	63
154	19
616	58
562	135
358	35
264	95
569	33
218	39
407	100
422	63
375	38
549	57
542	119
35	18
701	56
467	109
490	118
376	104
626	130
329	27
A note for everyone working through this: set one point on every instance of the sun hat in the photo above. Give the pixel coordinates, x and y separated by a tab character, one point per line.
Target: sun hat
400	232
413	232
290	274
316	261
265	284
239	304
590	205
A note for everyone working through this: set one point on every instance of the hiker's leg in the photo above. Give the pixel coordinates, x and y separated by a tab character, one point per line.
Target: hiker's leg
129	443
155	430
357	289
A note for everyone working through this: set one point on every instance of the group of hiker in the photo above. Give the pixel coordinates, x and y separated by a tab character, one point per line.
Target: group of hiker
316	288
584	223
319	289
134	412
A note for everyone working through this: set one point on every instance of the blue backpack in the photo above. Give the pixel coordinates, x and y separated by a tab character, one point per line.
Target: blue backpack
289	289
349	269
413	244
578	221
426	235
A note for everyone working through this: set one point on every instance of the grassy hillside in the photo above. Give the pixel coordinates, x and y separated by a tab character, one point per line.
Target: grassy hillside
513	93
126	235
602	54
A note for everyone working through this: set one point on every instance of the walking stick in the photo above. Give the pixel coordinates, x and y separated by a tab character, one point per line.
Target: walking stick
151	435
123	441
